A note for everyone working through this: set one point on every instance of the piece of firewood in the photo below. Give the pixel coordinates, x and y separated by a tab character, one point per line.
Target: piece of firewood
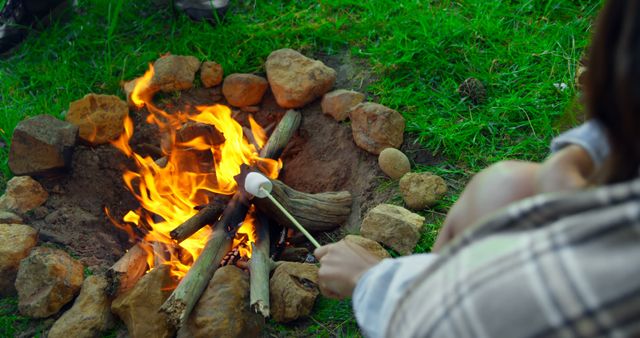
182	300
315	212
260	267
207	215
126	272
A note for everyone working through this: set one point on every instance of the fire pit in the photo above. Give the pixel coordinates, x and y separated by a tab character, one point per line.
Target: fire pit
167	188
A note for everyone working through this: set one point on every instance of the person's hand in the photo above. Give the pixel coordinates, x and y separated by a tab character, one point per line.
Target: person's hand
341	266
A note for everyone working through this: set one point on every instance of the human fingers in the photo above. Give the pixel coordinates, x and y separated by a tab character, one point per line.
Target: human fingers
322	251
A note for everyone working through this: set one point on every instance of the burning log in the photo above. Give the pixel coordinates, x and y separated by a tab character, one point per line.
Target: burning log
259	269
207	215
186	295
126	272
315	212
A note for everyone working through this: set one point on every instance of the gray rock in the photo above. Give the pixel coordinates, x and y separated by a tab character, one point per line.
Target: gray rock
47	280
90	315
17	241
394	163
339	102
421	190
293	290
376	127
23	194
242	90
41	145
393	226
223	308
295	79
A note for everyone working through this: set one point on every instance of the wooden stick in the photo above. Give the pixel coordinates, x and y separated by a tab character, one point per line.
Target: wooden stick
207	215
259	268
281	135
126	272
292	219
315	212
179	305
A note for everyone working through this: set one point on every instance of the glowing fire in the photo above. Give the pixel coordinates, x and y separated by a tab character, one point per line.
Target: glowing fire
195	170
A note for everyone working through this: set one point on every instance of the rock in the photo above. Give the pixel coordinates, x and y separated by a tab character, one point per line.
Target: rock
376	127
211	73
339	102
372	246
17	241
23	194
127	89
421	190
473	89
100	118
242	90
223	308
7	217
41	145
393	226
47	280
139	308
394	163
174	72
295	79
293	289
90	315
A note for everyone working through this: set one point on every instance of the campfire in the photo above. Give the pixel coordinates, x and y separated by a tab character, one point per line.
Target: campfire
168	168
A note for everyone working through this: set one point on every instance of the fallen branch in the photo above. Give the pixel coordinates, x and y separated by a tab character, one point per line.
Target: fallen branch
126	272
207	215
315	212
259	268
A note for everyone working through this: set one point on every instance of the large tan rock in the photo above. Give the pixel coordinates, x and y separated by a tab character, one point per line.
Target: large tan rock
100	118
42	145
243	90
421	190
295	79
223	308
339	102
394	163
23	194
211	74
174	72
372	246
376	127
17	241
47	280
90	315
393	226
293	290
139	308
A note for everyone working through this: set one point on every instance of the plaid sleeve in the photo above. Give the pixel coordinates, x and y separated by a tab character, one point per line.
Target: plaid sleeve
530	273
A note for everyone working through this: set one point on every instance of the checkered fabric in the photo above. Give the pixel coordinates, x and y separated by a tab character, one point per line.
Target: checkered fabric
565	265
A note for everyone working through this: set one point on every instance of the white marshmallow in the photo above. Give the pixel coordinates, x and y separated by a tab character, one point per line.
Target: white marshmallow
254	181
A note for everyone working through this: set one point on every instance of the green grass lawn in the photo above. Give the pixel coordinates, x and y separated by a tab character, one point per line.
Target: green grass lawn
419	52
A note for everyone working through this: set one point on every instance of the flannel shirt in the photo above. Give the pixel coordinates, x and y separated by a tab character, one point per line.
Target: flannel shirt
554	265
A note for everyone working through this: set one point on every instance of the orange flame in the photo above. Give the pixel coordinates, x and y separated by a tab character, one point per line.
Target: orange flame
195	170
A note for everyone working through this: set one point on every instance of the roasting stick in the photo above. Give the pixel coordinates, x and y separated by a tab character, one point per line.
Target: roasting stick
260	186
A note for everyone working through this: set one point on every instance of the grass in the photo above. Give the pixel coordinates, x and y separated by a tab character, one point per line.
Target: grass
419	52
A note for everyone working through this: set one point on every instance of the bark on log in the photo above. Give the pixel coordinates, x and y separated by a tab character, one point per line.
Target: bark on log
207	215
259	268
281	135
126	272
315	212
